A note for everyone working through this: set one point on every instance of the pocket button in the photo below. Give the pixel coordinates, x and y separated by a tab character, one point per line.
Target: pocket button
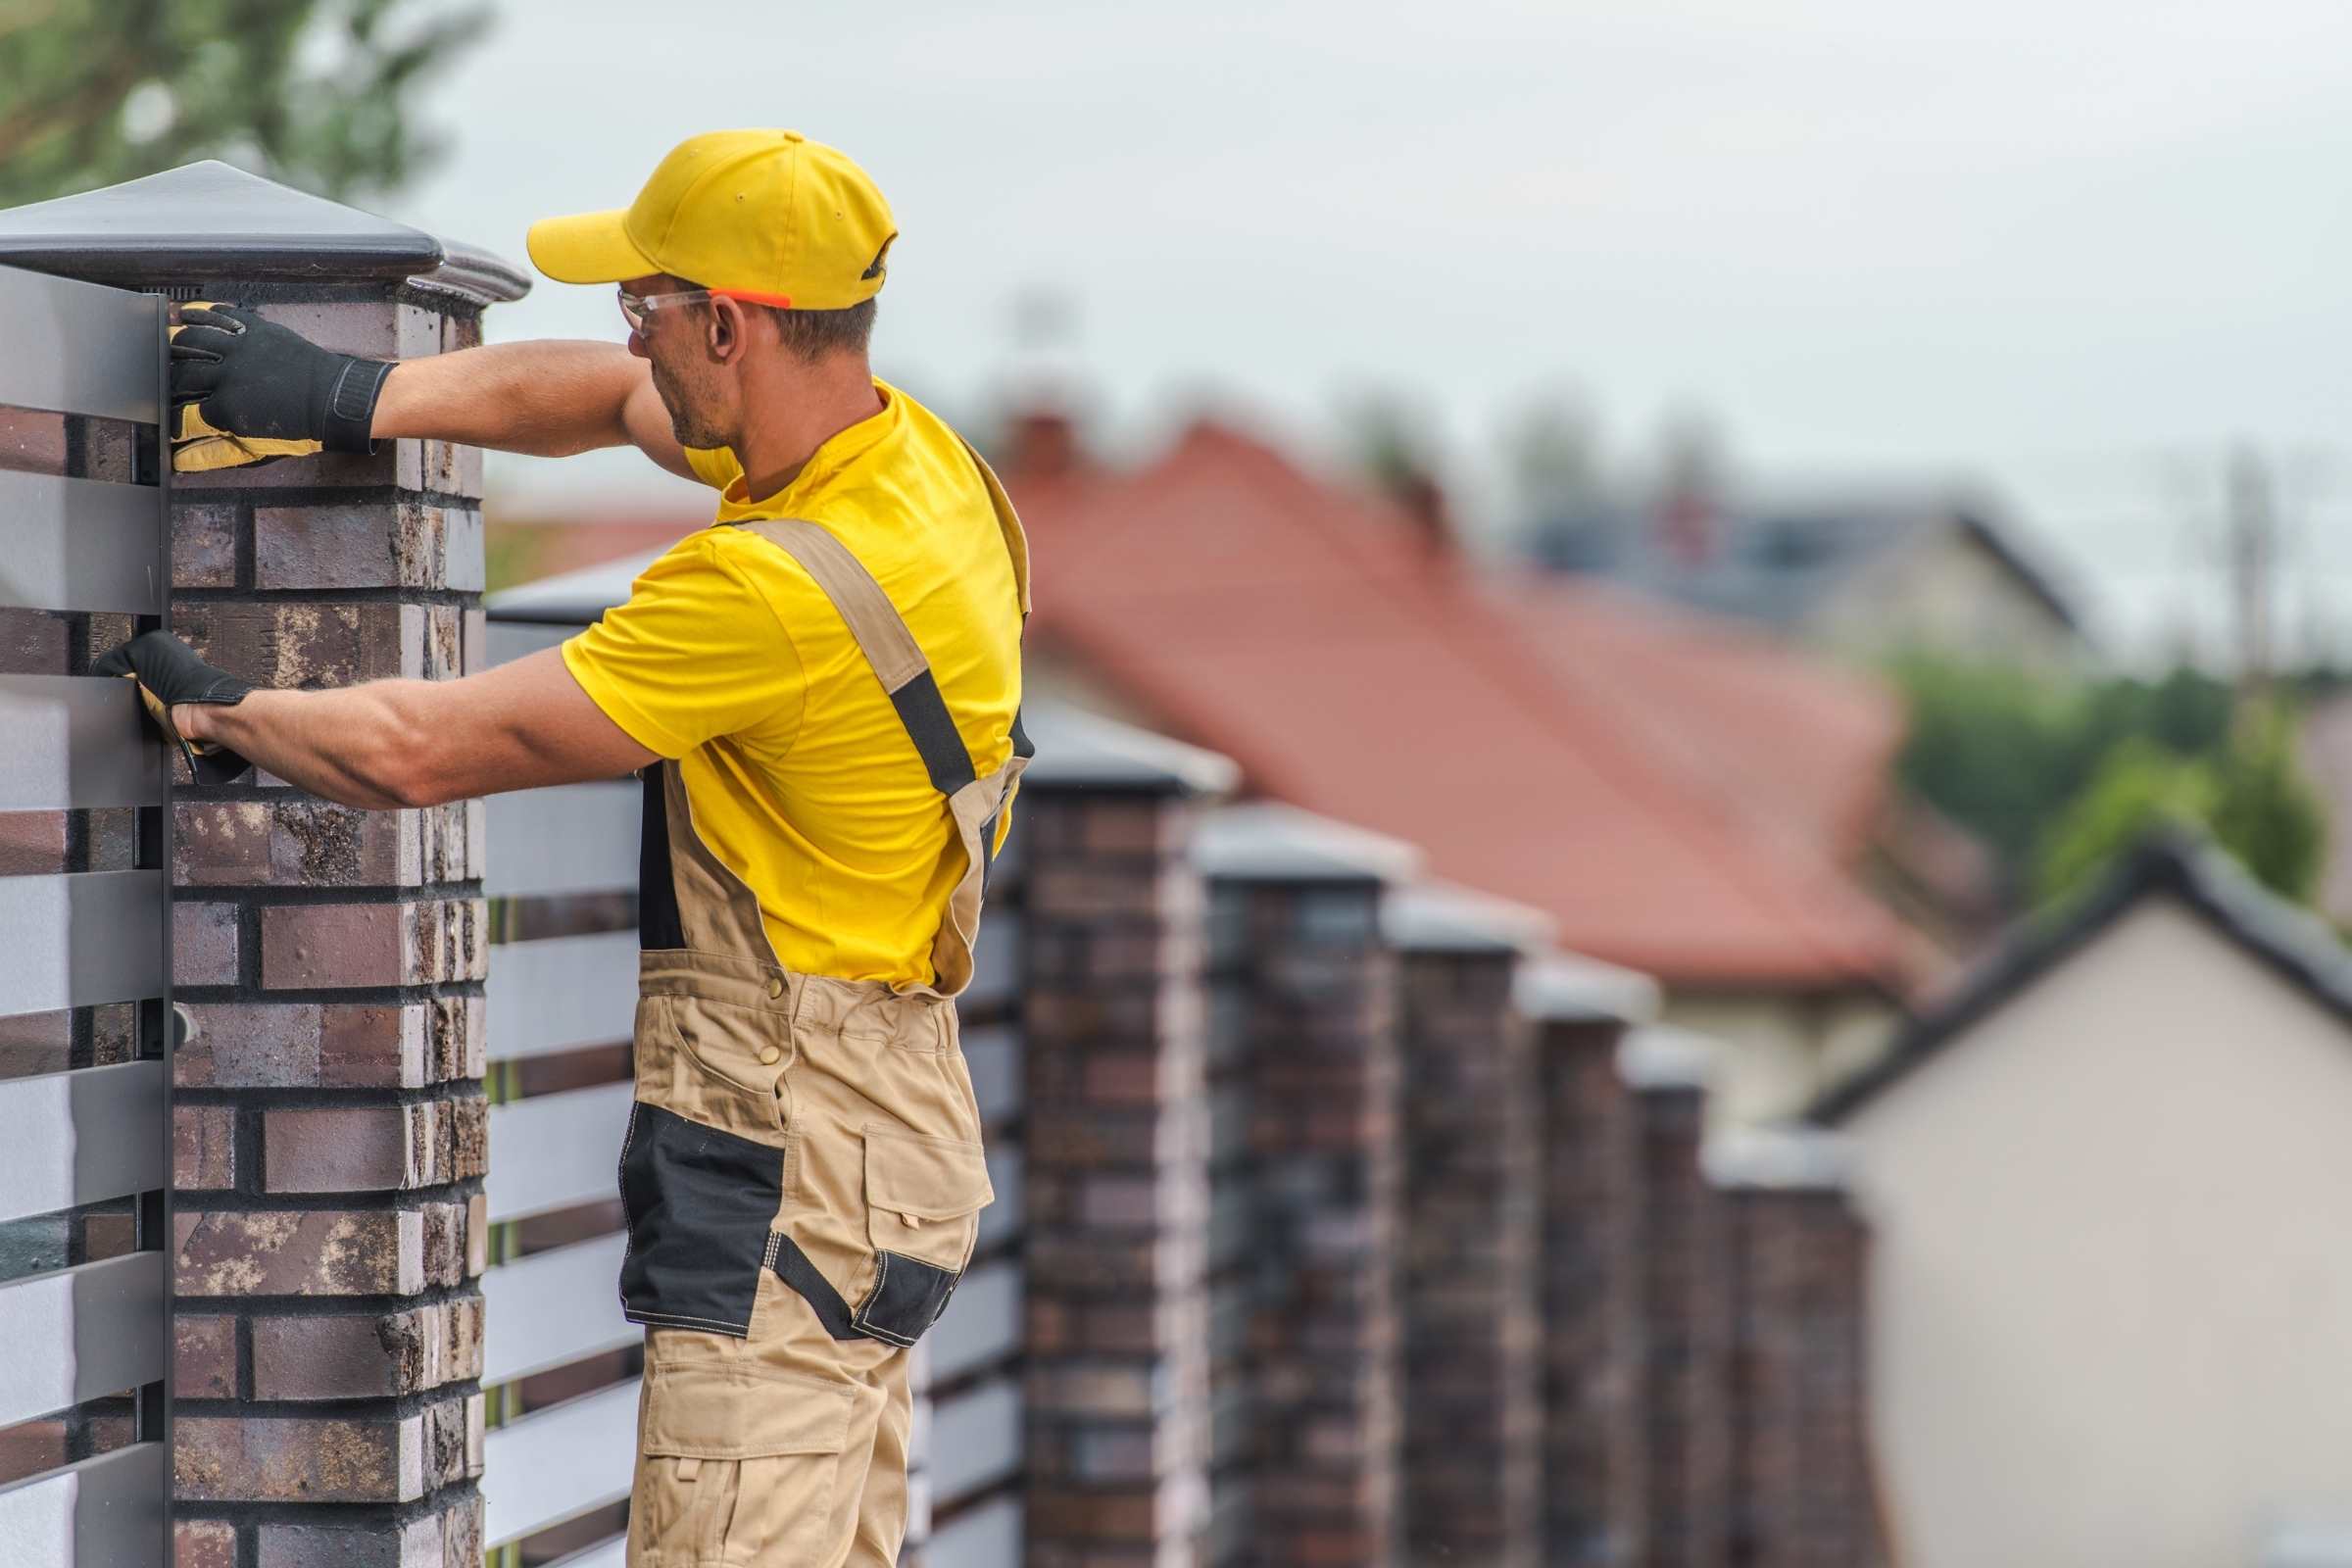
769	1055
775	986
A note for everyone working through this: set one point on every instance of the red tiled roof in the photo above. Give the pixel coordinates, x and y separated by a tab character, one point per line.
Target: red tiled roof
1684	799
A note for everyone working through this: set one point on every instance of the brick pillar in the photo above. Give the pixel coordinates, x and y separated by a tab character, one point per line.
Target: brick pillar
1115	1381
1581	1012
1472	1369
1308	1421
1800	1484
1671	1321
328	1118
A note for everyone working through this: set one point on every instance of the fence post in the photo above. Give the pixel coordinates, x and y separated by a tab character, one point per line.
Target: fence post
1582	1009
1473	1413
1115	1185
1305	1074
328	1112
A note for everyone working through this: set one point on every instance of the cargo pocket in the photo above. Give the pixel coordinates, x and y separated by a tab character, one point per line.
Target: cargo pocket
699	1202
738	1464
923	1199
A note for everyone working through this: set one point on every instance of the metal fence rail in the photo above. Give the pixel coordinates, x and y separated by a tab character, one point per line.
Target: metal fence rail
86	1324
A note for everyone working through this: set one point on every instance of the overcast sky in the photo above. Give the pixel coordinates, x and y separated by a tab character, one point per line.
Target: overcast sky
2064	250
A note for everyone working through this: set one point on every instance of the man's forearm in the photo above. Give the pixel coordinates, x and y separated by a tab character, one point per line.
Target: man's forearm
548	398
348	745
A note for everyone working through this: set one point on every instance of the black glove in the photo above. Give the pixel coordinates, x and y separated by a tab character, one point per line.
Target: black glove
255	379
168	672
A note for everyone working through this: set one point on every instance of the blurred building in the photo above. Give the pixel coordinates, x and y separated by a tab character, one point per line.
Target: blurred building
2111	1281
1861	577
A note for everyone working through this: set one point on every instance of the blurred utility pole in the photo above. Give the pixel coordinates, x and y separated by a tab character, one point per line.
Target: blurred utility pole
2252	545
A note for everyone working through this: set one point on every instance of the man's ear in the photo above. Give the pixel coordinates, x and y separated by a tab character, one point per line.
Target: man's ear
726	335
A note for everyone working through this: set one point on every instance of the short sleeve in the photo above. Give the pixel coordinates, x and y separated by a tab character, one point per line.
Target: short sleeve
715	466
696	652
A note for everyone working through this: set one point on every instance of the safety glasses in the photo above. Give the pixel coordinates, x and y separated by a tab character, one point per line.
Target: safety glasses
635	308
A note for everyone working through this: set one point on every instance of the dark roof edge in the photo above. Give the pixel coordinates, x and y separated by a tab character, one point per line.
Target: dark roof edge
2036	578
2288	940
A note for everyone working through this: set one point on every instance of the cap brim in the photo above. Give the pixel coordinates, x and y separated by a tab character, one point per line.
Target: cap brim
586	248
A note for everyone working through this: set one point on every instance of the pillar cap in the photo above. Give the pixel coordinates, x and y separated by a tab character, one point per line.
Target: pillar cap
1662	1057
1570	988
1081	751
1442	917
209	220
1267	841
1778	1159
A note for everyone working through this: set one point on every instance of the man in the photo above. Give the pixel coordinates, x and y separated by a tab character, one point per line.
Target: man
821	690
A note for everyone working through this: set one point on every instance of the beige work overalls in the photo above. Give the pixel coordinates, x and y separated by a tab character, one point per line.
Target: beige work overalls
803	1171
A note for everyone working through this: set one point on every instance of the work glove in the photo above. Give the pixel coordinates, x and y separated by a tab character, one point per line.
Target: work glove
247	391
168	672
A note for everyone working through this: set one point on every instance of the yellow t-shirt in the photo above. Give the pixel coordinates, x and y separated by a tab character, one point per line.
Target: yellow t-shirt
798	771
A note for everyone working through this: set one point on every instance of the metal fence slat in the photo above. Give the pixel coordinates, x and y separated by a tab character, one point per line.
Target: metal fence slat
987	1537
81	938
511	640
78	544
78	348
603	1554
975	1440
995	963
575	838
556	1151
79	1137
560	994
107	1510
553	1306
982	1323
993	1055
80	1333
557	1463
1003	1218
76	742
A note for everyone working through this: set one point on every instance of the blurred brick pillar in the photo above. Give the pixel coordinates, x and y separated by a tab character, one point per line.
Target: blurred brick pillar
1672	1319
1582	1010
1308	1415
1800	1489
1116	1183
329	1116
1473	1394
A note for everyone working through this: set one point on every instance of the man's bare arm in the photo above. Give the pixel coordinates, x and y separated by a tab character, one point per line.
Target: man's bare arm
385	743
548	398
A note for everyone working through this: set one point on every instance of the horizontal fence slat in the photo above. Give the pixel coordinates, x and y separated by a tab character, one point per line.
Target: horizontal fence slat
975	1440
981	1325
79	1137
75	741
76	348
511	640
560	994
573	838
993	1056
556	1151
612	1553
1003	1218
79	1333
996	964
557	1463
987	1537
553	1306
81	937
107	1510
79	544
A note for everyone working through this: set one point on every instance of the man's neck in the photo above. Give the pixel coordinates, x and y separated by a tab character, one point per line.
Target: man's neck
797	412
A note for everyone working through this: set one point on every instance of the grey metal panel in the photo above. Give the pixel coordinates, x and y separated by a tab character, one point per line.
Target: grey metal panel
74	740
1003	1218
79	544
993	1056
995	963
81	937
556	1151
982	1323
612	1553
79	1333
105	1512
509	640
82	1136
976	1439
551	1307
575	838
988	1536
560	994
557	1463
78	348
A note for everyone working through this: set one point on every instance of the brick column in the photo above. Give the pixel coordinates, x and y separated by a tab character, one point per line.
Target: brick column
1116	1384
1581	1012
1671	1317
329	1128
1801	1485
1309	1422
1472	1369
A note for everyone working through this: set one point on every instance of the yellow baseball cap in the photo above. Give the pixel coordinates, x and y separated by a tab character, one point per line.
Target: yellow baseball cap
765	216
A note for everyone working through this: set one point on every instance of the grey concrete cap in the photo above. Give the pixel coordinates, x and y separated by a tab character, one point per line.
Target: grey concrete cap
1079	750
1778	1158
1662	1057
1570	988
576	597
1266	841
1442	917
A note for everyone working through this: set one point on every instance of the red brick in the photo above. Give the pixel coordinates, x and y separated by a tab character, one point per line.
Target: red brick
451	1537
311	1253
378	1356
320	472
221	842
406	544
300	644
298	1459
204	1151
203	1543
32	843
335	945
203	943
300	1044
319	844
372	329
206	1359
204	546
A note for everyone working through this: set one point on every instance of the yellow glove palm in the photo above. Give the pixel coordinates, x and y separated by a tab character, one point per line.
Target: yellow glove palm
199	448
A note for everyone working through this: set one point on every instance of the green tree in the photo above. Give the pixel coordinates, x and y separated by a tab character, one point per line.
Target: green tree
2139	787
2266	809
310	92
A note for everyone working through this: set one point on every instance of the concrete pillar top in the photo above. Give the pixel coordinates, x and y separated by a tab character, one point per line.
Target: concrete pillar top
1267	841
1570	988
1442	917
